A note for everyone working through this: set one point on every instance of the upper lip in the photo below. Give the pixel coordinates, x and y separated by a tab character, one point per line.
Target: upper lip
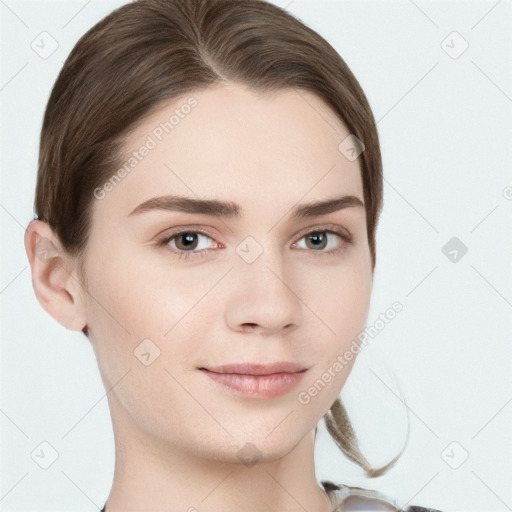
257	368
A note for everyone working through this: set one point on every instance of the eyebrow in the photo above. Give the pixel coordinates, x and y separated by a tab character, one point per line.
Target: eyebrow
229	209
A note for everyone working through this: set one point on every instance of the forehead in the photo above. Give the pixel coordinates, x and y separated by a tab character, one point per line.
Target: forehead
231	142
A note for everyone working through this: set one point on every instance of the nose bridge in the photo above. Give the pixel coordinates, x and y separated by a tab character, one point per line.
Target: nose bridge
263	262
263	290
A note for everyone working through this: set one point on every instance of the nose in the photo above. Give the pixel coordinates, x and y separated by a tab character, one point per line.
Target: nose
263	299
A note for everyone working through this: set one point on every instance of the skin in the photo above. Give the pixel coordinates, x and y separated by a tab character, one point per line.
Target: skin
177	433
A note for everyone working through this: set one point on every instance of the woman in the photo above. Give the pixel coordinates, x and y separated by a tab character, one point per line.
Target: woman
208	193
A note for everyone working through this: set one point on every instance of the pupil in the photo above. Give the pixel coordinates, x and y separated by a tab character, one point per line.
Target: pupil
190	239
318	240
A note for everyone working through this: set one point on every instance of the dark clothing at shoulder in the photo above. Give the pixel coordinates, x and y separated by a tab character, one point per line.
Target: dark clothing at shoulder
415	508
341	493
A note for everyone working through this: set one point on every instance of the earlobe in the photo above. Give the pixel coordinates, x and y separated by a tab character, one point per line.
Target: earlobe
54	279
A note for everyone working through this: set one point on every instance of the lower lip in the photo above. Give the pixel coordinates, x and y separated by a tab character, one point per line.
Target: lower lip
259	386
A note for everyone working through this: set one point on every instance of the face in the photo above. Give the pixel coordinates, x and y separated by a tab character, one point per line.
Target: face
174	290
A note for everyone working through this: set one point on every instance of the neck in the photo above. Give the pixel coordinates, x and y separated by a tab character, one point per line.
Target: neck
151	475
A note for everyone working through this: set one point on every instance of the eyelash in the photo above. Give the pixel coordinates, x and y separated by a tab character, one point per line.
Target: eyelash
345	236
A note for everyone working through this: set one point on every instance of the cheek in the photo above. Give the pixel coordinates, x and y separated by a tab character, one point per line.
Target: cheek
128	319
134	297
339	296
143	318
340	301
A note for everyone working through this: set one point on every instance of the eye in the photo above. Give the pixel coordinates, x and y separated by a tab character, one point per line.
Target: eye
319	239
187	243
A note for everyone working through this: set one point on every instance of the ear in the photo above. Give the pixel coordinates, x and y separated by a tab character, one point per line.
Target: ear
54	277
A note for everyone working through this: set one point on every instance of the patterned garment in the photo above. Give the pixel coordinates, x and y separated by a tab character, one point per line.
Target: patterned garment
345	499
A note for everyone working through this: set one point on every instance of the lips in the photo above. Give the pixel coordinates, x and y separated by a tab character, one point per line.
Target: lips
257	368
256	380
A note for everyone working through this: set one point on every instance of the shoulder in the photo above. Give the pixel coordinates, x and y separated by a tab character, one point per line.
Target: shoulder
345	498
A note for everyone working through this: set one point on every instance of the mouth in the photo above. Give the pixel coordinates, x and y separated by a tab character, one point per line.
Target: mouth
257	380
257	368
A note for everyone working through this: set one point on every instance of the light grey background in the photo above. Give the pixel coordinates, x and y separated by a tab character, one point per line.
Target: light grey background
445	122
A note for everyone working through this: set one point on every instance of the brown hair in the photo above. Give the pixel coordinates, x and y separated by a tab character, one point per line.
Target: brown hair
151	51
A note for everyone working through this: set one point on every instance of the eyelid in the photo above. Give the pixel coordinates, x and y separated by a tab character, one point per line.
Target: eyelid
330	228
199	228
